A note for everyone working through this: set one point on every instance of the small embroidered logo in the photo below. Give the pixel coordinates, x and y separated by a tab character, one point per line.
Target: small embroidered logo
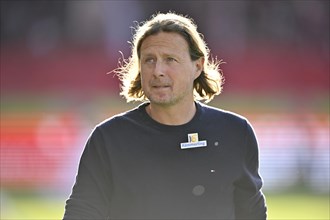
193	142
193	137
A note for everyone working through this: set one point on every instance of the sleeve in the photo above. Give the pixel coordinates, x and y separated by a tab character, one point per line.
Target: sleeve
91	192
249	200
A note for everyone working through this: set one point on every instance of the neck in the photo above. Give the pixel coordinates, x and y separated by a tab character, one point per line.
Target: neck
171	115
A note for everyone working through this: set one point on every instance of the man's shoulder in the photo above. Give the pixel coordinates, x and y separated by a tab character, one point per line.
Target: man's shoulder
218	113
224	119
122	118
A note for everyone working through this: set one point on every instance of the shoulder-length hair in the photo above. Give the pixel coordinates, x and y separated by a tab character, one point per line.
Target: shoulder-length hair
206	86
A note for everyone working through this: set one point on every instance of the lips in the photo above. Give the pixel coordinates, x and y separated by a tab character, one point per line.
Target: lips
160	85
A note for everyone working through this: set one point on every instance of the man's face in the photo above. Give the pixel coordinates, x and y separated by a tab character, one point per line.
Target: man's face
167	71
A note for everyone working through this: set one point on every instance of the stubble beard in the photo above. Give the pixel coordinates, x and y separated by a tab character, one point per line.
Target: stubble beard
166	100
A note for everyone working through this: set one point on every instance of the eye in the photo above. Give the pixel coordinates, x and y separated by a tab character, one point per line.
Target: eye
170	59
149	60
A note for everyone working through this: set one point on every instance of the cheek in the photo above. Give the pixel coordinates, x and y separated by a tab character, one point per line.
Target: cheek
184	83
187	77
145	73
144	80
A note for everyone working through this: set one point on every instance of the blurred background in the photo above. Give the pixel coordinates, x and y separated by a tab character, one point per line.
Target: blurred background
55	56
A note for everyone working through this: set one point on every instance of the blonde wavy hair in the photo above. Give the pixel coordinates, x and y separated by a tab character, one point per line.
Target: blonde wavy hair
206	86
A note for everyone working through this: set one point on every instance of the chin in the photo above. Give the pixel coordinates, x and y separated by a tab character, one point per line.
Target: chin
161	101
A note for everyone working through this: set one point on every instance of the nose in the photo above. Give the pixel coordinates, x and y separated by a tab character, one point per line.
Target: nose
159	70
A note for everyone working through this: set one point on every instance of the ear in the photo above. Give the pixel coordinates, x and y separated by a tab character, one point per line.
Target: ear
199	66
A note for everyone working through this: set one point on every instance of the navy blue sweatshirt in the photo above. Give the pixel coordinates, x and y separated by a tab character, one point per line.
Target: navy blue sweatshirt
133	167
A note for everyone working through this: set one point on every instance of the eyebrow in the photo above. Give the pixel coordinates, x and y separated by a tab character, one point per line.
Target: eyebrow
163	55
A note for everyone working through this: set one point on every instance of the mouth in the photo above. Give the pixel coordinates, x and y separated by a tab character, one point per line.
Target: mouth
160	86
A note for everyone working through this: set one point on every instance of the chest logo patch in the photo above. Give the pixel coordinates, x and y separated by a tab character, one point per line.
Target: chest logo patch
193	142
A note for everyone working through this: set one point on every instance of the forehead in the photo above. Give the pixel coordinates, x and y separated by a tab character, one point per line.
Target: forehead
167	41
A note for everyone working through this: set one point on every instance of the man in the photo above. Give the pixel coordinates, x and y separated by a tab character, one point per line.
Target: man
172	157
